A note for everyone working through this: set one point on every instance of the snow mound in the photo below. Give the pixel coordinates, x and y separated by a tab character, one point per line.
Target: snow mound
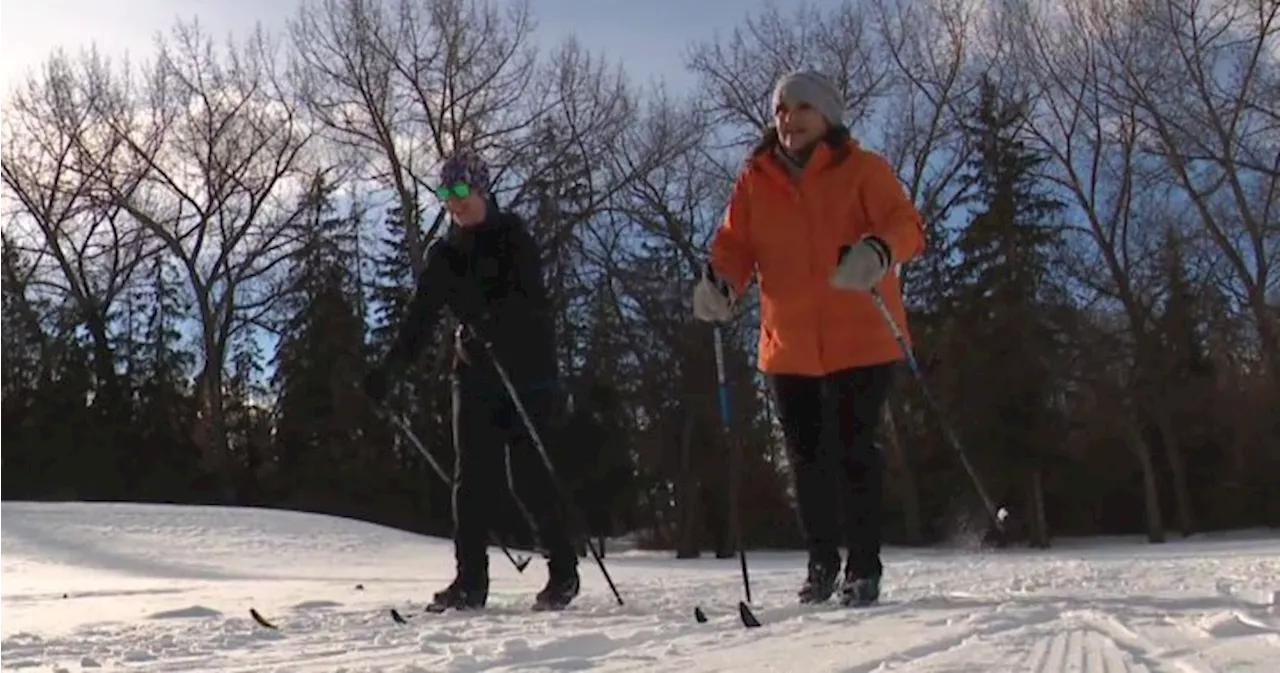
193	612
1234	624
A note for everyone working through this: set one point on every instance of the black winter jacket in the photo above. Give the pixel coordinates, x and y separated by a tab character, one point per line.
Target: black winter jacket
490	276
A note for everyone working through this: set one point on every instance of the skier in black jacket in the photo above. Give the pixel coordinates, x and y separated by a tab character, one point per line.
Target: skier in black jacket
488	272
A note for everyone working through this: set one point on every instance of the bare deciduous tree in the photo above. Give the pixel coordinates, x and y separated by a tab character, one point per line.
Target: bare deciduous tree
934	48
1094	148
223	152
589	151
739	72
652	248
92	248
399	85
1196	88
1079	56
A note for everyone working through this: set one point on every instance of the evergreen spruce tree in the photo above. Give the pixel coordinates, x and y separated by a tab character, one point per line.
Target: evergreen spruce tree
248	417
1182	375
999	301
318	364
422	394
24	374
165	461
604	479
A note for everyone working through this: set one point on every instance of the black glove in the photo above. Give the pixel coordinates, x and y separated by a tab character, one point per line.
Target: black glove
376	384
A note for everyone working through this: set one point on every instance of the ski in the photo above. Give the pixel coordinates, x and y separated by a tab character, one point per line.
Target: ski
396	616
749	620
403	618
432	609
257	617
438	609
744	614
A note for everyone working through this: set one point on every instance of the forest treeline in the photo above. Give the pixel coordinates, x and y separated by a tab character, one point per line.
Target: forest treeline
205	250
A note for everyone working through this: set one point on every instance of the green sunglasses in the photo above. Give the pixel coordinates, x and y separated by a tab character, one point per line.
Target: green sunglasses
461	191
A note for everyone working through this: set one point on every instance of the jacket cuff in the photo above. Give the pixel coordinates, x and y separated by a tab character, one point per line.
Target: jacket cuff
882	248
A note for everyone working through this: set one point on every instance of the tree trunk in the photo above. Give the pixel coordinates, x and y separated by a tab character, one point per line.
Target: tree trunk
1155	520
686	495
910	494
1039	532
1181	492
1268	332
104	360
210	427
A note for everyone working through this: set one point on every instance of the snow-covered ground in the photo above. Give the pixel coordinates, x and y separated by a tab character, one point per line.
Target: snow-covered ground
168	588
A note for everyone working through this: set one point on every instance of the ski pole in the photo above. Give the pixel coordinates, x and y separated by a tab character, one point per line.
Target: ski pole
546	459
403	426
998	515
725	420
744	607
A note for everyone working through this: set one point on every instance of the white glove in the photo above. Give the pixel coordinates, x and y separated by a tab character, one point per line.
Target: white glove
861	266
712	298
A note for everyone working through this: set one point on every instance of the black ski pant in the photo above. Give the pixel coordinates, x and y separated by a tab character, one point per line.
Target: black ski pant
496	460
829	424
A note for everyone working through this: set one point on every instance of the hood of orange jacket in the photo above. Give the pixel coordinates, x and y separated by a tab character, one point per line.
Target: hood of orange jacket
788	229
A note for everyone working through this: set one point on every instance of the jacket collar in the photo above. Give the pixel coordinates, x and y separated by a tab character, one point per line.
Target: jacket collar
828	152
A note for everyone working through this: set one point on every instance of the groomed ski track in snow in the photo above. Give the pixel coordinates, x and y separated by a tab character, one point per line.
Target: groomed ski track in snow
168	588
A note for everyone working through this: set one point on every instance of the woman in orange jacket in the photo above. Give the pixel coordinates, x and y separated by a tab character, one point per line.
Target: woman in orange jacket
821	221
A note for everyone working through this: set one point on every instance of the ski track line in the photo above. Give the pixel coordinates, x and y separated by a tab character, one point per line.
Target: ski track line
1200	636
640	637
204	639
830	629
998	621
673	641
321	635
506	634
663	630
314	633
1094	641
1083	650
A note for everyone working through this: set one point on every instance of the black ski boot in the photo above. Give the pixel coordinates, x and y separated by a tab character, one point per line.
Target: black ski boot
821	582
858	591
465	593
562	586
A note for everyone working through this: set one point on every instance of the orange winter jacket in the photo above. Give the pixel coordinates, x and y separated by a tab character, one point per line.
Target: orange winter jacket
790	231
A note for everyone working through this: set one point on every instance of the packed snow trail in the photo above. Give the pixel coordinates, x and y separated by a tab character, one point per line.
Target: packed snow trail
169	588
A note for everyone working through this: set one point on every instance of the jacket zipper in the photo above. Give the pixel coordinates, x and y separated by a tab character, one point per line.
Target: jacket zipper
810	244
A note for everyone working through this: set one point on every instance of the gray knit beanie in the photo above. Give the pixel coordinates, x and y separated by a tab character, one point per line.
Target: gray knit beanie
814	88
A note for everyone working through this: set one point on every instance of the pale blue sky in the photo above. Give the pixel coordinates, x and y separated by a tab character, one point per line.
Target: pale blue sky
648	37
